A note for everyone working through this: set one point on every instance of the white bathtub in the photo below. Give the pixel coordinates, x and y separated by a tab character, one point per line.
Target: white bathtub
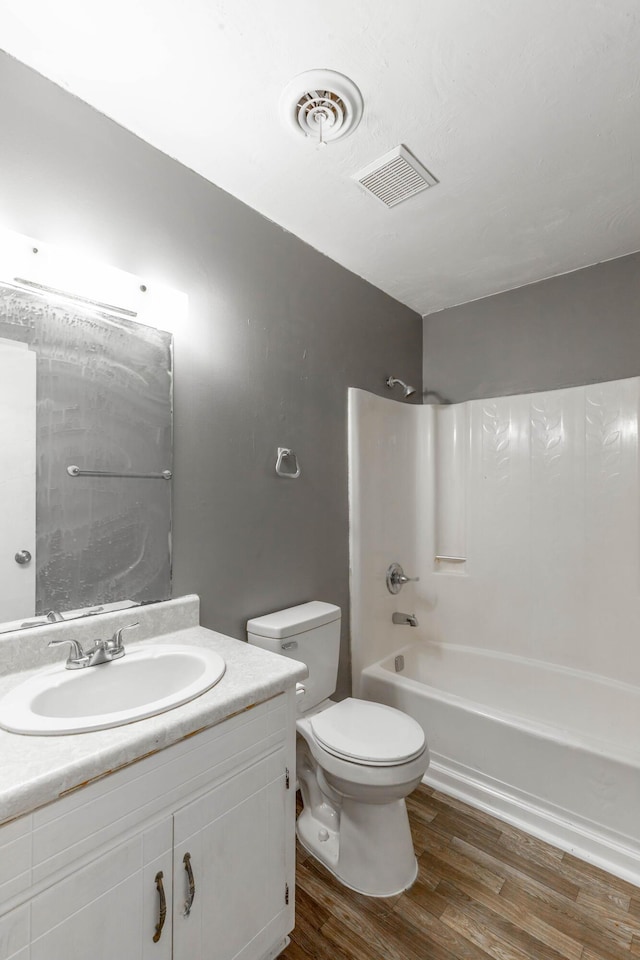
552	750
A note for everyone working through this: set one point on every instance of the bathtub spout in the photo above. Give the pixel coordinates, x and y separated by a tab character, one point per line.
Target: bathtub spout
407	619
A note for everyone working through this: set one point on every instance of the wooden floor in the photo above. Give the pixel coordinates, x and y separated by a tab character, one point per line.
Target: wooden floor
484	890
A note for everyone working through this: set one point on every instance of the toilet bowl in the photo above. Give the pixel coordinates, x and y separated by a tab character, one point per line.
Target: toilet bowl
356	760
354	818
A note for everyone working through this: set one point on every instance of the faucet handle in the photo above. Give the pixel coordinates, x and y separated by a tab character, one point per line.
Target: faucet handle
77	657
116	639
396	578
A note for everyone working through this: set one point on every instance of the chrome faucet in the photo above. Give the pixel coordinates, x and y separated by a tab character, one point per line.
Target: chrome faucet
102	651
54	617
406	619
51	617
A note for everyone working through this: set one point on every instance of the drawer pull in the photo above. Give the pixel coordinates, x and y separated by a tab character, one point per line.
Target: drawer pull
192	885
163	907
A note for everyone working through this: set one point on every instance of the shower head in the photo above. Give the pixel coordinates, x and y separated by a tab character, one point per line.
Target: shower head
406	389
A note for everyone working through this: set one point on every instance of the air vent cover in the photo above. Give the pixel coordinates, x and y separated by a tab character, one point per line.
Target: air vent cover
395	177
322	104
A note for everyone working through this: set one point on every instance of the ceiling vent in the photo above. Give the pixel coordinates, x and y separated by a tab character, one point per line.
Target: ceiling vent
395	177
322	104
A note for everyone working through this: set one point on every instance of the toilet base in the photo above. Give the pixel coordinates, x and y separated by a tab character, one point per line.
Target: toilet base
370	852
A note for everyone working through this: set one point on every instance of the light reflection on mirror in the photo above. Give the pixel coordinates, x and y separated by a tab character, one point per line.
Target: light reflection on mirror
81	384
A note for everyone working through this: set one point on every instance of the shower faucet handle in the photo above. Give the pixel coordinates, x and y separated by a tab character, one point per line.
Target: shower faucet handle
396	578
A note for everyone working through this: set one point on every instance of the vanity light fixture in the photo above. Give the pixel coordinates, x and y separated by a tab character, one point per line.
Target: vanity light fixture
60	271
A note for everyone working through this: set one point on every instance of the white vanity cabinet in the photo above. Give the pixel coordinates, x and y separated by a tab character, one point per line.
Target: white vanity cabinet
235	836
105	909
80	878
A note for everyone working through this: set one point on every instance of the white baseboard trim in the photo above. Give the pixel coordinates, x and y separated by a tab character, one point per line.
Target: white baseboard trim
613	852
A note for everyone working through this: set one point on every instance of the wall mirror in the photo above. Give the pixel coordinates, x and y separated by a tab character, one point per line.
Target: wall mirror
85	452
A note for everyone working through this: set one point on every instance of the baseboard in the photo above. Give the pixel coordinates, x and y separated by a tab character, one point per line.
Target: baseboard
613	852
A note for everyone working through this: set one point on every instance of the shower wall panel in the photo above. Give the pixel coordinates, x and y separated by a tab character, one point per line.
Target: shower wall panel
552	570
552	530
383	492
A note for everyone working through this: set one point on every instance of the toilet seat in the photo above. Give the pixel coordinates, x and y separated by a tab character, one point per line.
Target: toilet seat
371	734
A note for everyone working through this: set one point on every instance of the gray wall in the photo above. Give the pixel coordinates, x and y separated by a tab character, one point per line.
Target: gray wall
276	333
582	327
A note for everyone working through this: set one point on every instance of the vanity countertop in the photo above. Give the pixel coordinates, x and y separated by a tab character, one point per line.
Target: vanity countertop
34	770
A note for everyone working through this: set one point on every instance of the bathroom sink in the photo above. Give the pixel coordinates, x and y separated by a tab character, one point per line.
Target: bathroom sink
141	684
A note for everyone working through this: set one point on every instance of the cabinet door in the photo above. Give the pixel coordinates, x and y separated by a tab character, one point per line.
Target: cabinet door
236	838
109	908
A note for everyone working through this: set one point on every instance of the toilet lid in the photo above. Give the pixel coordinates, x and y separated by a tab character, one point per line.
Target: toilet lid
368	732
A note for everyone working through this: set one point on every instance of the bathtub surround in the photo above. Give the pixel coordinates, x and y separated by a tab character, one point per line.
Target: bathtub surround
275	334
549	588
383	489
451	429
552	519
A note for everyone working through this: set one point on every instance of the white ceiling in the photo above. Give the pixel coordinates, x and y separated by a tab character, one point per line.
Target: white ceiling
527	112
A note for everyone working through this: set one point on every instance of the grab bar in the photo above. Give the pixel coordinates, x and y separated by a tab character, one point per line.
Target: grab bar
75	471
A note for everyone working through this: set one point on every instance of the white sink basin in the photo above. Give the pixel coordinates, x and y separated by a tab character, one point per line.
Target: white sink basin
140	684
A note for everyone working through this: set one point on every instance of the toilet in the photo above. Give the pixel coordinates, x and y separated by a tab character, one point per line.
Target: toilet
356	760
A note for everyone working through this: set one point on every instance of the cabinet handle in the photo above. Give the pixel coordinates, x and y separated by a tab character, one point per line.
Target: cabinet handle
192	885
163	907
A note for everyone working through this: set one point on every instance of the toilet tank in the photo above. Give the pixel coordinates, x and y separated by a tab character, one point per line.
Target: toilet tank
309	632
